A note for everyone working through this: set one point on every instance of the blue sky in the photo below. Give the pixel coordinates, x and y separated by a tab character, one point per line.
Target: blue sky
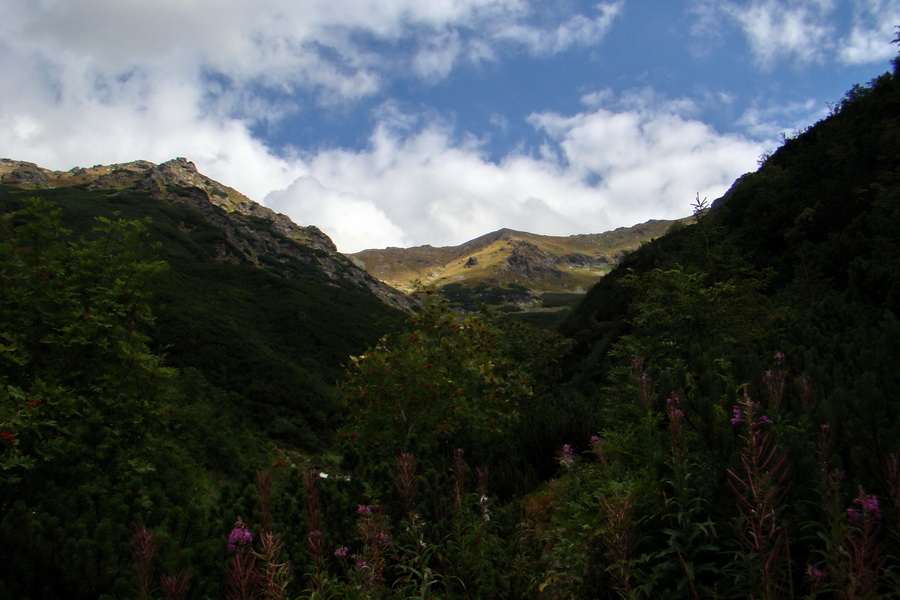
403	122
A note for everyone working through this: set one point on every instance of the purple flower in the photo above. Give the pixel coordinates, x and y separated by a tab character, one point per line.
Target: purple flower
239	537
780	358
853	515
566	456
363	510
594	441
342	552
360	565
672	407
764	420
736	415
870	506
814	573
870	503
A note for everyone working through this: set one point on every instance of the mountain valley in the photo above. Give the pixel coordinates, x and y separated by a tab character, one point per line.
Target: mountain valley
714	417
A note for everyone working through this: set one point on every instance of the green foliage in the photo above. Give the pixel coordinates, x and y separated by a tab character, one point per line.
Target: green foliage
74	317
799	257
79	393
99	434
447	382
272	339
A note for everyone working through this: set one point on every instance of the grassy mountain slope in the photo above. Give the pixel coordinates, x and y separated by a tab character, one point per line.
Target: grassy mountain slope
508	268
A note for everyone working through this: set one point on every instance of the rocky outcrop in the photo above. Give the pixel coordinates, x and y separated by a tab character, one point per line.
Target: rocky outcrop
24	174
584	261
527	261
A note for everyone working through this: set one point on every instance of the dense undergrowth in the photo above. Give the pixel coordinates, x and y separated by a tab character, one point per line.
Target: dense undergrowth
718	419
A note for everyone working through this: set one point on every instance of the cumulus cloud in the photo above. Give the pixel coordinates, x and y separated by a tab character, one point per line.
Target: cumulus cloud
874	27
599	169
579	30
796	29
283	44
109	81
430	185
103	81
804	31
348	217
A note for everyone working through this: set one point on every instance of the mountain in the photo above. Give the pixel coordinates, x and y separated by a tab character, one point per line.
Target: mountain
253	233
258	308
508	267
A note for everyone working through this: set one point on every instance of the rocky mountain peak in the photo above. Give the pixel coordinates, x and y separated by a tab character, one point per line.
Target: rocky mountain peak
253	232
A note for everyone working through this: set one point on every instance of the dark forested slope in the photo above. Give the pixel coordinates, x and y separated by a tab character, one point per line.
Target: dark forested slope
271	333
801	257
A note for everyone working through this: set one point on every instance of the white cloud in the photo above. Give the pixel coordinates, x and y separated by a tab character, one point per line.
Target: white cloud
103	81
874	27
579	30
108	81
775	29
804	31
287	44
438	56
649	158
349	217
599	169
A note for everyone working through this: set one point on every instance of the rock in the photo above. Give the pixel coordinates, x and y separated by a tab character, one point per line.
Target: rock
27	174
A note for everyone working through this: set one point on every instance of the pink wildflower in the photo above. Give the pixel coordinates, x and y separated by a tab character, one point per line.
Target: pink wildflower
239	537
566	456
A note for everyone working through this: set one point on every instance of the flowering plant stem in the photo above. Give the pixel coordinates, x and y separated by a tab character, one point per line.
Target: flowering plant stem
759	486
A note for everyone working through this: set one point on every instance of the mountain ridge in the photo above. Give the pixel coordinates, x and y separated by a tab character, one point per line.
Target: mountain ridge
261	243
542	263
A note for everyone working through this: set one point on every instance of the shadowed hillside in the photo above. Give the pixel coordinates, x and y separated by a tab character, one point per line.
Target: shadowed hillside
251	301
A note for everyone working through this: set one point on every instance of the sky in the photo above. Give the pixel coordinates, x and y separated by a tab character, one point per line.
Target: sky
411	122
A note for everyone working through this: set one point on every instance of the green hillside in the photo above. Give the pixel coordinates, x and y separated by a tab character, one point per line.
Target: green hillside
274	339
